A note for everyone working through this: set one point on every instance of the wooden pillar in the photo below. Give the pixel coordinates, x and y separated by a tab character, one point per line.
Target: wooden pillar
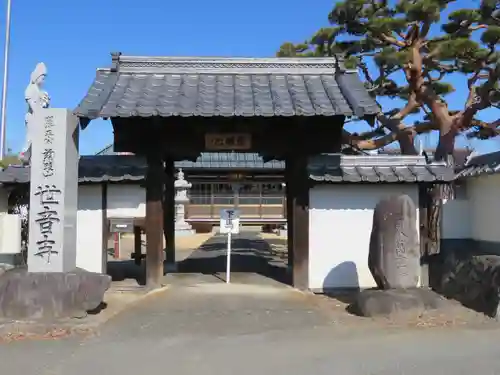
105	226
169	215
299	197
423	204
137	245
289	211
154	220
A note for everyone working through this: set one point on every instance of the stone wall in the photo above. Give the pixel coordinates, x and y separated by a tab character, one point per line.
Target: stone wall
469	272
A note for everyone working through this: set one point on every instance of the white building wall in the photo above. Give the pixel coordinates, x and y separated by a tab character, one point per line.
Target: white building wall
126	201
8	242
122	201
340	223
90	254
484	203
456	223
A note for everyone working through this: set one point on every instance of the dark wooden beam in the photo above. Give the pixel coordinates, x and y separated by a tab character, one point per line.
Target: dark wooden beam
105	225
289	211
424	201
185	138
137	245
154	220
169	214
299	205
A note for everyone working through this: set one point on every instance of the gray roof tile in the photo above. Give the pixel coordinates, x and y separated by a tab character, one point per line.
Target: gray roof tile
481	164
324	168
230	160
169	86
92	169
377	168
460	155
123	168
220	160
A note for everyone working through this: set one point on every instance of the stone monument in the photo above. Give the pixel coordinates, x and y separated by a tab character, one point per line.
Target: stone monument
51	286
182	227
51	149
394	261
53	191
394	253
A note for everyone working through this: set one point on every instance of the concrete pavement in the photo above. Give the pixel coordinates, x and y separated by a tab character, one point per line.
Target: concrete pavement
219	329
256	327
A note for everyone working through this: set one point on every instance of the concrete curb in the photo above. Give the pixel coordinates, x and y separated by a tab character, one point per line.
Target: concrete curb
140	298
21	330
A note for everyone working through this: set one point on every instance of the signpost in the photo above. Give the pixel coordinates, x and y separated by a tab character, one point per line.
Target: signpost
229	224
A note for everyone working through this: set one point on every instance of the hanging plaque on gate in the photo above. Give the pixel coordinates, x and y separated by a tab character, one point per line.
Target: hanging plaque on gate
228	141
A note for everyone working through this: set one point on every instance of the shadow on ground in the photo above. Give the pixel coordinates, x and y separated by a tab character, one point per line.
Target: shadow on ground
121	270
250	254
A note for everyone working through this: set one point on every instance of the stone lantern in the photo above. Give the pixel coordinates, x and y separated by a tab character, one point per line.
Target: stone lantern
182	227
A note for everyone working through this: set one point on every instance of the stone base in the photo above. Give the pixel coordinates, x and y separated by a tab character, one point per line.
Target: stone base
464	274
184	232
8	262
389	302
48	296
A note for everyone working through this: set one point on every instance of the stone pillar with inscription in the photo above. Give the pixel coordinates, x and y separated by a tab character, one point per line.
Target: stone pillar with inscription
53	191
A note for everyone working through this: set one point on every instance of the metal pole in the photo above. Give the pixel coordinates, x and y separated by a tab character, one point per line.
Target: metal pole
228	257
5	79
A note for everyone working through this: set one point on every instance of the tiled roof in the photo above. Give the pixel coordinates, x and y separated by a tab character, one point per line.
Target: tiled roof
325	168
460	155
481	164
123	168
230	160
219	160
92	169
175	86
108	150
377	168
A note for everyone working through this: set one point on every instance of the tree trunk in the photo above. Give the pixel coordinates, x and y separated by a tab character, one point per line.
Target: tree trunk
446	145
434	220
431	258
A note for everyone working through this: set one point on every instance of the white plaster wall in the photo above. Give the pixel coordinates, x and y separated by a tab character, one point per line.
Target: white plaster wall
126	201
9	242
484	202
90	254
340	223
456	221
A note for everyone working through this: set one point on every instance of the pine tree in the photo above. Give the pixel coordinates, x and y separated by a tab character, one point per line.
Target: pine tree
407	50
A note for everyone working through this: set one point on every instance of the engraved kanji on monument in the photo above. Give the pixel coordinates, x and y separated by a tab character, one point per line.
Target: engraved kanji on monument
53	191
394	254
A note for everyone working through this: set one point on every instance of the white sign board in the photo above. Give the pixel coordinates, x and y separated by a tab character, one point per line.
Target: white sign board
230	221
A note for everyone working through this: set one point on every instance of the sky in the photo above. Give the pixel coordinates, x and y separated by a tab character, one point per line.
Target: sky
74	38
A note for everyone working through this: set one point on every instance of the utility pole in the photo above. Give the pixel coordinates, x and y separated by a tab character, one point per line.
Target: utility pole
5	81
